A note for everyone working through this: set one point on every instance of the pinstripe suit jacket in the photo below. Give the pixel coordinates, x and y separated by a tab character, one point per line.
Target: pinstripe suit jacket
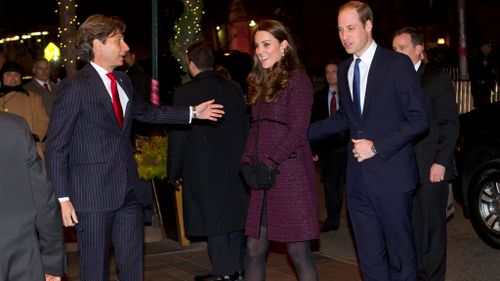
89	157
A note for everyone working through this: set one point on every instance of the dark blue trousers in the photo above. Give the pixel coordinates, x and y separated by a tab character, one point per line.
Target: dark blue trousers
226	252
383	233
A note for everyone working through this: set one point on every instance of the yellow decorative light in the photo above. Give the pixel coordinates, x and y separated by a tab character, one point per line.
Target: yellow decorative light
51	51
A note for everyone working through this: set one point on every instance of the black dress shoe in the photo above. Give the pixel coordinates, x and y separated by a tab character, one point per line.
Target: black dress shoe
327	227
209	277
238	275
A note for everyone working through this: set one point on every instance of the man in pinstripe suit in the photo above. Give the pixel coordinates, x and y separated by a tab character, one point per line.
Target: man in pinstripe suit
90	157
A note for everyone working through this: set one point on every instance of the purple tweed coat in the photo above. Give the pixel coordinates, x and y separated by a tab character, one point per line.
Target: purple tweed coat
280	137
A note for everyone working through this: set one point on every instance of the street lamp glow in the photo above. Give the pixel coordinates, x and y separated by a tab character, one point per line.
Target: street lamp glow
441	41
252	23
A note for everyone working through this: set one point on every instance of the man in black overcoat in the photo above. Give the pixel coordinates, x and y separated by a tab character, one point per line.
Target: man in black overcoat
207	157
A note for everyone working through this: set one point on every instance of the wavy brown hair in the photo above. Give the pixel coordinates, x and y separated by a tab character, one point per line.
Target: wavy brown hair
98	27
266	84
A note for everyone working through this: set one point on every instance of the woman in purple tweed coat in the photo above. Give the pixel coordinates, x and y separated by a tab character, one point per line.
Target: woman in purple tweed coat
277	163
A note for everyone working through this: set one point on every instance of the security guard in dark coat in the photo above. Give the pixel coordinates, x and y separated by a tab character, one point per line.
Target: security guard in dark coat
207	156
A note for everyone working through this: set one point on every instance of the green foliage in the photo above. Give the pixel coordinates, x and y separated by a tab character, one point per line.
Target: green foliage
187	31
151	157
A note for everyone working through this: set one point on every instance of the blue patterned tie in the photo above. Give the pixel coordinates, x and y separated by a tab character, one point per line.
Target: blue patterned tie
356	92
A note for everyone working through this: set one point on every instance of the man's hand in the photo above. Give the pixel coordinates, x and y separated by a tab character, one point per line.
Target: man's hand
362	149
49	277
209	110
315	158
437	173
68	214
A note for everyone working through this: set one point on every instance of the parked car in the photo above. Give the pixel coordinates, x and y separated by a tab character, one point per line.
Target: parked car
478	167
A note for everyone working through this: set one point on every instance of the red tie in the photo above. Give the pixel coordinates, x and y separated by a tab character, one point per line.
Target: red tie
46	86
333	104
117	106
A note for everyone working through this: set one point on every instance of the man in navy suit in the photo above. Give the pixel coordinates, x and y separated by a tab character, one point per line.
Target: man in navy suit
90	157
383	107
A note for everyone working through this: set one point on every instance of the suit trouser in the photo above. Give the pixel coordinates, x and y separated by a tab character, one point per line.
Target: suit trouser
383	234
227	252
124	228
429	228
333	169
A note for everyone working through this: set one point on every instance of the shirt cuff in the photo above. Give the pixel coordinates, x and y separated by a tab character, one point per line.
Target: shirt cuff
63	199
190	114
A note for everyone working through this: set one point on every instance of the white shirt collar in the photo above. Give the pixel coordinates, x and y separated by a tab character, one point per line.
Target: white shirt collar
417	66
40	81
368	55
102	72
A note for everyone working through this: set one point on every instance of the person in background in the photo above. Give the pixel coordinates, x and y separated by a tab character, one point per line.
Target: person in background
483	73
331	152
277	162
141	81
434	151
31	237
16	99
214	195
384	109
41	84
90	156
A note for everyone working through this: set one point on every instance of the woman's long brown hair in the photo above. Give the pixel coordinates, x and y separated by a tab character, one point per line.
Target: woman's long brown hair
266	84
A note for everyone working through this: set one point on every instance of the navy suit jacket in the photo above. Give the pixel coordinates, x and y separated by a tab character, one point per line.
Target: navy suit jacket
394	114
89	157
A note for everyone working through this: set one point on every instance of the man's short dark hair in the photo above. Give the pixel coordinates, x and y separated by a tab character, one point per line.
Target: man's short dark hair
416	37
39	60
201	55
98	27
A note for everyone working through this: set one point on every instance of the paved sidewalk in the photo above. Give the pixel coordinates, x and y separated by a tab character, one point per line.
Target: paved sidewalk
167	261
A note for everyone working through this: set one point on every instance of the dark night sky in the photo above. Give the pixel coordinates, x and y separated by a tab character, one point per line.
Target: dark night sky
313	22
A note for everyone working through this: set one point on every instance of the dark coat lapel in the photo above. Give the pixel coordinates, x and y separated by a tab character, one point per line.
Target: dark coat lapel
128	91
348	90
371	89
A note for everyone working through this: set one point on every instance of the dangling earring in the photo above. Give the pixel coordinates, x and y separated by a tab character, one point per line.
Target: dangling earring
282	52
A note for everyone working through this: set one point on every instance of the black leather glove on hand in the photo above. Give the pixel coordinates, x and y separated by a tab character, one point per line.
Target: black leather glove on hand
248	173
266	178
172	183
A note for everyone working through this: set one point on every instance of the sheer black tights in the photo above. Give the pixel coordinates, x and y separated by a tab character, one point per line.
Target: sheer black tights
299	252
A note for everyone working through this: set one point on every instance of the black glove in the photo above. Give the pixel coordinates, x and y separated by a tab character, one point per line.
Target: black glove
266	178
172	183
248	173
